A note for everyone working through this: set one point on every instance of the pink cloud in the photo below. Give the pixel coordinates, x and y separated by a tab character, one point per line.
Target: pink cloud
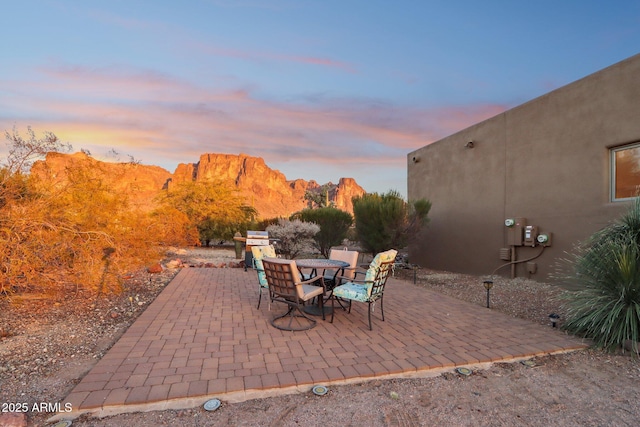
158	118
211	49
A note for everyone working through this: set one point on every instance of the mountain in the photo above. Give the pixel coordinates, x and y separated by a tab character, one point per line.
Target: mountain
265	189
141	182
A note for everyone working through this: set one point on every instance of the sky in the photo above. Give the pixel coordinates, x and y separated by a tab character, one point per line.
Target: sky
321	89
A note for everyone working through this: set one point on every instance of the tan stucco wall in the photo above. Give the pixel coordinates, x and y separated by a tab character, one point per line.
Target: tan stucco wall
546	160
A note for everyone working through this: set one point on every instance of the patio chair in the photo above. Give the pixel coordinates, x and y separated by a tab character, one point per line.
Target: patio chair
333	277
369	290
260	252
285	285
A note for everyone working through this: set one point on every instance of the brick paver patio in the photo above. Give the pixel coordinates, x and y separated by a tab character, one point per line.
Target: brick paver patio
203	337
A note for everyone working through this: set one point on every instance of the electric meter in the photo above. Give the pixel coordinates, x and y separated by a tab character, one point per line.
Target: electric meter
542	238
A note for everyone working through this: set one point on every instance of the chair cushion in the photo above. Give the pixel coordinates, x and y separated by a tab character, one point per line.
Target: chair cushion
353	291
310	291
260	252
305	291
343	255
386	256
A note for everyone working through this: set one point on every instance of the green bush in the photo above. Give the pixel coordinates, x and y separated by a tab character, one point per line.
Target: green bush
606	306
387	221
334	225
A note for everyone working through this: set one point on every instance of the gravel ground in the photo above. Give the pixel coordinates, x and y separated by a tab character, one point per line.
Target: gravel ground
47	347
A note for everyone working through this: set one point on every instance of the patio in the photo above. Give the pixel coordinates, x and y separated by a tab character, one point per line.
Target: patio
203	338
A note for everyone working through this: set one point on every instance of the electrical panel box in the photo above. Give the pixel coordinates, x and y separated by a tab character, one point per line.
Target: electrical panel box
530	234
515	231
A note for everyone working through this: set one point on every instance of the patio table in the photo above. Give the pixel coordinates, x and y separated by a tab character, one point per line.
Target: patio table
316	264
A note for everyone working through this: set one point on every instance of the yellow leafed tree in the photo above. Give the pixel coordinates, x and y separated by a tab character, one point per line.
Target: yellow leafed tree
61	236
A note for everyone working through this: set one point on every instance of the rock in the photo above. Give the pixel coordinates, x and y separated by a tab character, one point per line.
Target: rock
176	263
143	182
155	268
263	188
267	189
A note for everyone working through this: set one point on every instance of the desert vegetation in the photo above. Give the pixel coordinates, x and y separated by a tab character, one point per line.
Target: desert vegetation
334	225
605	270
62	233
386	220
216	210
59	235
294	236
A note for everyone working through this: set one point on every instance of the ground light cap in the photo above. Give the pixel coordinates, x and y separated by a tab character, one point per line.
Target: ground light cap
211	405
319	390
464	371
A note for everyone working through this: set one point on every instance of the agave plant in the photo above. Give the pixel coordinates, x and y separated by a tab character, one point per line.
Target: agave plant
606	306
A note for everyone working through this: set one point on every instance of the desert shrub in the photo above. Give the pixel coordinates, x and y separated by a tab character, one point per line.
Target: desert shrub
264	223
216	210
79	233
606	272
318	197
23	152
169	226
294	236
386	221
334	225
72	233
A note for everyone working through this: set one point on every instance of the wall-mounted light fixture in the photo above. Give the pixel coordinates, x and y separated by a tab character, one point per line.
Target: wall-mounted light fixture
470	144
415	159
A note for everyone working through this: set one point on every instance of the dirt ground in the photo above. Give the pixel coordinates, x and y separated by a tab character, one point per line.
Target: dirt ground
45	349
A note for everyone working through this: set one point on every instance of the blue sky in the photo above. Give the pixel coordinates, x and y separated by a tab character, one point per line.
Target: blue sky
321	89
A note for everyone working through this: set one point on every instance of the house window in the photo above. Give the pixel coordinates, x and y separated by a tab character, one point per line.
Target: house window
625	172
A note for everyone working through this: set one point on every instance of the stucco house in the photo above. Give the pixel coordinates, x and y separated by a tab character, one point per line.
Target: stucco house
514	193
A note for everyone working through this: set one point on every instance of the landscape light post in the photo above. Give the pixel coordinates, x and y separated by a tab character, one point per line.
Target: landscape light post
553	318
488	284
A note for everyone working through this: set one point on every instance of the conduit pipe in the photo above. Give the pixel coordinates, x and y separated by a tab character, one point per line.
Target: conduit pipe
514	261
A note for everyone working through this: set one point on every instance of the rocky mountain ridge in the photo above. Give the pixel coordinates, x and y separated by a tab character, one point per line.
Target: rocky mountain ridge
266	189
